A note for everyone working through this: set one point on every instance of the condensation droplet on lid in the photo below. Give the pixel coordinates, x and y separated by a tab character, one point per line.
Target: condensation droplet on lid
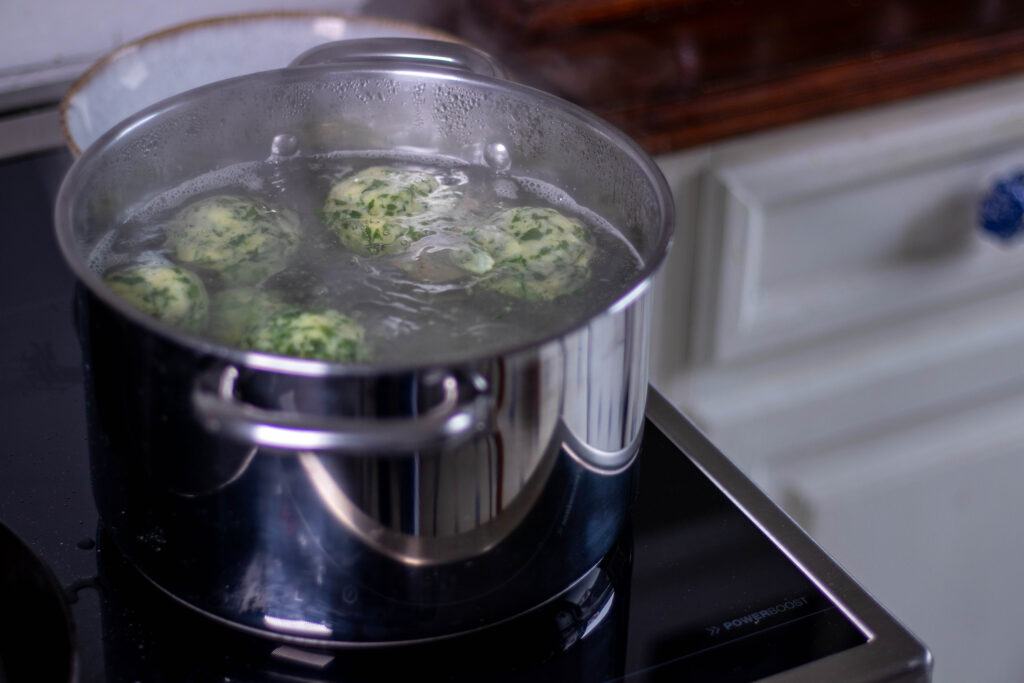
497	157
284	145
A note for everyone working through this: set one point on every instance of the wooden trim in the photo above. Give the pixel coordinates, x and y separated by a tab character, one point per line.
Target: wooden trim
832	89
533	16
679	73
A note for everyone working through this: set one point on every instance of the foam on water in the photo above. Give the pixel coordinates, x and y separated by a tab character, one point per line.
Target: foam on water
101	258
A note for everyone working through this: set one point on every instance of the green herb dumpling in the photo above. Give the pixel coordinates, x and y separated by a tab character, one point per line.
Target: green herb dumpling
323	334
538	253
383	210
166	292
243	239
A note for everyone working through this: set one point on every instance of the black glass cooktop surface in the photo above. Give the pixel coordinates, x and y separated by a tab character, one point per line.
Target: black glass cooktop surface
694	589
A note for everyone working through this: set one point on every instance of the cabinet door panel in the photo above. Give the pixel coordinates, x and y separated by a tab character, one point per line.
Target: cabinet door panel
846	224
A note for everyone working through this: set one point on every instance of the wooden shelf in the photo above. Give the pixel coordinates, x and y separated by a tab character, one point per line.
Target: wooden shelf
679	73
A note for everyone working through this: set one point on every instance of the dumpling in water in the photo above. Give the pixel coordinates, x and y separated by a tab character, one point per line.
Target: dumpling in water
323	334
443	257
538	253
166	292
383	210
243	239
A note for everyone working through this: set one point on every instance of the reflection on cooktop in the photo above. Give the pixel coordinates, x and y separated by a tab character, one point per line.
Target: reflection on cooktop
579	636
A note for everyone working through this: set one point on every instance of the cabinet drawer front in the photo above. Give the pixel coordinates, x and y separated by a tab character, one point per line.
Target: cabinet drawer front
849	223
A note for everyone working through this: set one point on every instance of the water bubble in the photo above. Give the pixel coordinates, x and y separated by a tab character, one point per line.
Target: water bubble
450	178
497	157
284	145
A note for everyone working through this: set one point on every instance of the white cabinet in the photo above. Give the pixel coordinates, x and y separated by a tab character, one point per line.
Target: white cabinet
833	318
929	520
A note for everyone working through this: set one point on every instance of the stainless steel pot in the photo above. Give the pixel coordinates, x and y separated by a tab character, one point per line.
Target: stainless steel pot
359	503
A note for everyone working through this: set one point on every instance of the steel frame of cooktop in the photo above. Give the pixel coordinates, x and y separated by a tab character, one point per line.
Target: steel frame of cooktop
891	654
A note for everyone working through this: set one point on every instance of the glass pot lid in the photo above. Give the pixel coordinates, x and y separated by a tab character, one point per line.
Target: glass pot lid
530	149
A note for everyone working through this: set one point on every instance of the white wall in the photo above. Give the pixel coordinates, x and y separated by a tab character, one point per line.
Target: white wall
49	41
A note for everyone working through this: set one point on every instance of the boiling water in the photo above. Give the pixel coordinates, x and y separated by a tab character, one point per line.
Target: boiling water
407	316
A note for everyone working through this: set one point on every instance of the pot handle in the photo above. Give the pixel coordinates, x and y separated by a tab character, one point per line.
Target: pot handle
450	423
403	51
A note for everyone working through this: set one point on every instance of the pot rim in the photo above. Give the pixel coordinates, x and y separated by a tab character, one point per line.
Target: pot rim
81	168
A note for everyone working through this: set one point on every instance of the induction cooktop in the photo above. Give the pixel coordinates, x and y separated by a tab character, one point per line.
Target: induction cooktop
709	580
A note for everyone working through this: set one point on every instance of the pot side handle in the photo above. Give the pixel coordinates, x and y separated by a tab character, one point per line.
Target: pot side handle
403	52
450	423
